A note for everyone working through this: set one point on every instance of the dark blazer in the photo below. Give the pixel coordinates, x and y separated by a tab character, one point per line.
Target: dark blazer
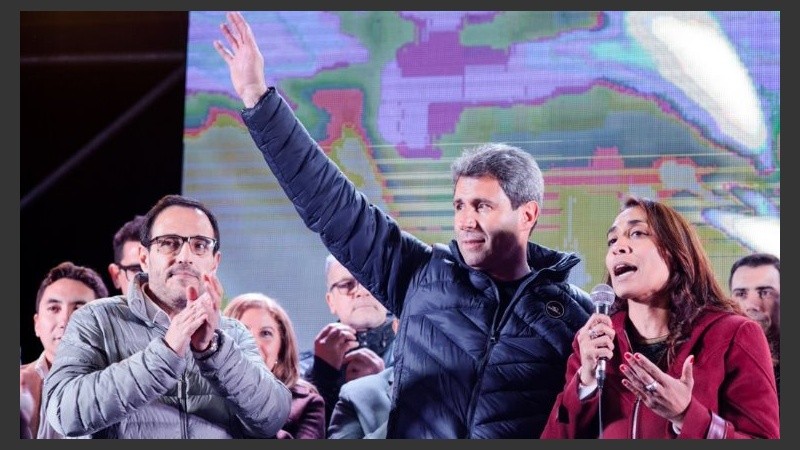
363	407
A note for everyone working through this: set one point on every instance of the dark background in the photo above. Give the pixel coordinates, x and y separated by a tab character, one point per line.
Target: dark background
101	136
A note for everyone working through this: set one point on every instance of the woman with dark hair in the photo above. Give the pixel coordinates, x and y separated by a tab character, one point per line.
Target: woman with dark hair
275	338
683	361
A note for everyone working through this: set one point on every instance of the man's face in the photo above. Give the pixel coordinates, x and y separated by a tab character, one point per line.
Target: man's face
170	275
490	234
59	301
758	290
127	268
351	302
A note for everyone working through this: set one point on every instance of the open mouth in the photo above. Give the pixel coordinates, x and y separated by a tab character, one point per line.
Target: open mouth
623	268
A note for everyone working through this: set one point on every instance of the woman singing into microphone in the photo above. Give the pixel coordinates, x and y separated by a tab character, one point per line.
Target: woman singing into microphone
683	360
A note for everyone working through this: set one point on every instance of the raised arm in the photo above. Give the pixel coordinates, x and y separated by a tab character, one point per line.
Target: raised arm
362	237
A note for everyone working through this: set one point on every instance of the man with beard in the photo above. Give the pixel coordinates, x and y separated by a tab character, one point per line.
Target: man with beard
162	362
486	323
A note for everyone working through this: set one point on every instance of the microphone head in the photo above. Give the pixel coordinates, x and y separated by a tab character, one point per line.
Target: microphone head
603	295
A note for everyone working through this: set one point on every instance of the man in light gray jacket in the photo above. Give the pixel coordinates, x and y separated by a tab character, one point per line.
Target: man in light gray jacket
162	362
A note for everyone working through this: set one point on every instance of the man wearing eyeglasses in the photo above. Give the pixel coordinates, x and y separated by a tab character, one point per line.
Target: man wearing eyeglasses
359	343
126	254
161	362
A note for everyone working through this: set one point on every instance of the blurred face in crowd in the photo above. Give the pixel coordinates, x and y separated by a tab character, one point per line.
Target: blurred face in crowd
123	272
638	271
266	332
59	301
351	302
172	263
758	290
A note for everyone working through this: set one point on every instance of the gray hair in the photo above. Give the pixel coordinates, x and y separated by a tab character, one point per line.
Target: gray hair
515	169
329	260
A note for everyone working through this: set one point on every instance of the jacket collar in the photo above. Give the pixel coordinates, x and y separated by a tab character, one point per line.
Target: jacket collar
539	258
701	324
141	305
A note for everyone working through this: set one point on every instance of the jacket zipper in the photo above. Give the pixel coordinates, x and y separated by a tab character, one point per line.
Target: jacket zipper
482	366
638	404
496	325
635	422
184	406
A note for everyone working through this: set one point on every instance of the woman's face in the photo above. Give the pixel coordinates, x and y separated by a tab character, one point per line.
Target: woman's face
266	332
637	269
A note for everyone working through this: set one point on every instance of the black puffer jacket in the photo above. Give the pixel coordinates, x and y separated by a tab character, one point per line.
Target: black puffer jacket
461	369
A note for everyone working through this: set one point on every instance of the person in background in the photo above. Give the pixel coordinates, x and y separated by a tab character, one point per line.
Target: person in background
486	322
362	411
683	359
359	343
66	288
161	362
26	412
755	282
274	334
126	254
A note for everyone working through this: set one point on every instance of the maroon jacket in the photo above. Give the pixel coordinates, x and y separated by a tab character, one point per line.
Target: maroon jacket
734	394
306	417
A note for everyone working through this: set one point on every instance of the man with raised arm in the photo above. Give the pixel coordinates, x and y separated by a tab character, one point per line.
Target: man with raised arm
486	323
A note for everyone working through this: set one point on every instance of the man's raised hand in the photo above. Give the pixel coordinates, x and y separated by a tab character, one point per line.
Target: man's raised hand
244	59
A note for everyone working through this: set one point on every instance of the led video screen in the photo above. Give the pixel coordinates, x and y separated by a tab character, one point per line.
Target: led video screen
682	107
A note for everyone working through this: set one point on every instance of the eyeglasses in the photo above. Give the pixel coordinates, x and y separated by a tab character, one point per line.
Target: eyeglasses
135	268
345	287
171	244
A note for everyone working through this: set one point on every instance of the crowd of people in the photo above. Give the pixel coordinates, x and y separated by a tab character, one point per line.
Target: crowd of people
483	337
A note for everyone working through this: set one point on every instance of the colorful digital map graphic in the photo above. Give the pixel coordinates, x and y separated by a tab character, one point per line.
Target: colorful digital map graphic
682	107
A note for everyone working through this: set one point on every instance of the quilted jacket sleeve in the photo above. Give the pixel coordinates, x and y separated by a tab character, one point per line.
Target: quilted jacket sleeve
260	401
571	417
84	394
362	237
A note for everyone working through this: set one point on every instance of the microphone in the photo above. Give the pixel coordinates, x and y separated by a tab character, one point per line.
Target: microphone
602	297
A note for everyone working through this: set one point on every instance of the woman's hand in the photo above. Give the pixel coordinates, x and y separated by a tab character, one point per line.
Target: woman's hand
595	340
666	396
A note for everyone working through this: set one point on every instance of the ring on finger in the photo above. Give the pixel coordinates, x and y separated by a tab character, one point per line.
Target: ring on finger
651	387
592	334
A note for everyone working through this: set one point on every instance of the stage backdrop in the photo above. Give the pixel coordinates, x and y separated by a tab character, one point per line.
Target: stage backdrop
682	107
